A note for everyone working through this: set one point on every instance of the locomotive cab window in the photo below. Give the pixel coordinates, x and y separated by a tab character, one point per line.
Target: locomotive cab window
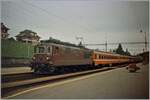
41	50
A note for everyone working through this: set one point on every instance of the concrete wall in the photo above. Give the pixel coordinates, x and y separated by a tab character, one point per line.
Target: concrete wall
15	62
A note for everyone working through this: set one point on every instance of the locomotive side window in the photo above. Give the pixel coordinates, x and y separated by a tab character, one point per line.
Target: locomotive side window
49	50
56	50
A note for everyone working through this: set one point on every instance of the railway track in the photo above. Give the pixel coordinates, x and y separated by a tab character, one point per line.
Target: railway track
16	83
19	77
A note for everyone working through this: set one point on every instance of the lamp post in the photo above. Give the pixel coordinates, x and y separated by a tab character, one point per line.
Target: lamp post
106	43
141	31
144	39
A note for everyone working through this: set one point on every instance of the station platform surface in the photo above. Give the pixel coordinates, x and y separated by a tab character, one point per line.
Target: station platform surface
114	84
14	70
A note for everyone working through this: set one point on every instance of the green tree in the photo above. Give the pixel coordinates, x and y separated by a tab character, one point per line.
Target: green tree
11	39
127	52
119	50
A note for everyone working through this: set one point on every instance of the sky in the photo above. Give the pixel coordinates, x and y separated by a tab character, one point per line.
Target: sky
97	21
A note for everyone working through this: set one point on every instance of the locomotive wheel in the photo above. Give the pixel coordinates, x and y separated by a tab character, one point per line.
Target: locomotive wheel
52	69
74	70
61	70
38	71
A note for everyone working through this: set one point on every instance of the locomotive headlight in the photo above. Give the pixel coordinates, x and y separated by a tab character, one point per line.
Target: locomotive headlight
33	58
47	58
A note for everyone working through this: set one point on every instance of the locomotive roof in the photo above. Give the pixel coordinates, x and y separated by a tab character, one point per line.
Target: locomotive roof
61	45
72	47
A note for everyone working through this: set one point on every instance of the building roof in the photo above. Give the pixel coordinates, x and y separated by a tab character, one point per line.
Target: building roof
27	33
4	27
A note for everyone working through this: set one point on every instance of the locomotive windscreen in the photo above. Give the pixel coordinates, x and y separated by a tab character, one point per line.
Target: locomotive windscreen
42	49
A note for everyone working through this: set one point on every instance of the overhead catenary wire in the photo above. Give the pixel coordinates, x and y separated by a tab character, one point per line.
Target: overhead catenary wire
59	17
128	43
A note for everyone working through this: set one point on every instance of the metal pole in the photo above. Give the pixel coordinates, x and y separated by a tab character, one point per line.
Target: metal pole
80	39
106	46
141	31
145	42
28	50
106	43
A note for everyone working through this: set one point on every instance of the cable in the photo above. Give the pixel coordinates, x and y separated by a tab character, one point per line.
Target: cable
127	43
52	14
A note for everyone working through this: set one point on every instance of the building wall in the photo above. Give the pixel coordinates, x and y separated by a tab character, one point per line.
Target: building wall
28	40
14	53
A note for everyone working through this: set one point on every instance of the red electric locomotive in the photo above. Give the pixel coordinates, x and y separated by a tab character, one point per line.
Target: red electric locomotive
50	57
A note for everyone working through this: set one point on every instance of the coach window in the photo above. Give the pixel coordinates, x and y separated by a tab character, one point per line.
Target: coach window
111	57
107	57
99	56
95	56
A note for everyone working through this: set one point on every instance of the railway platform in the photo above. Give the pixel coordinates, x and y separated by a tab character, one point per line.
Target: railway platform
113	84
15	70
